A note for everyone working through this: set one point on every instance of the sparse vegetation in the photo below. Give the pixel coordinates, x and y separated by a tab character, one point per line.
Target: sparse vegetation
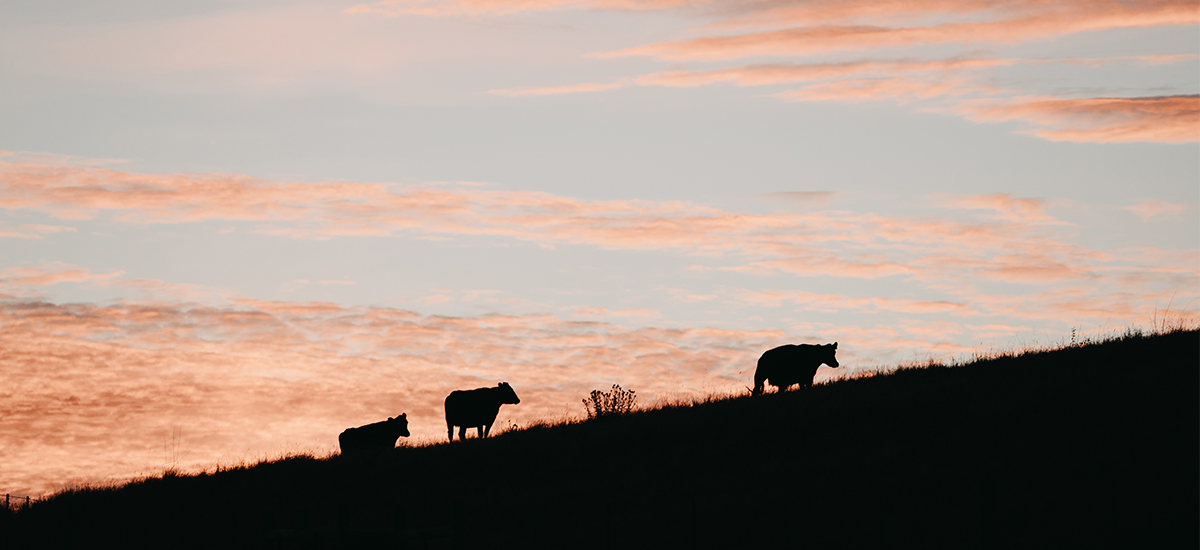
1092	445
617	401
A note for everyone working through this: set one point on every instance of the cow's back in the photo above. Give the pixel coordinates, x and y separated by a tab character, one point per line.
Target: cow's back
378	435
353	439
789	364
471	407
782	358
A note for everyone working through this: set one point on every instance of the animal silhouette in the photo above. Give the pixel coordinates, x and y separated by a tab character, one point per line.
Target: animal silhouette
476	409
791	364
379	436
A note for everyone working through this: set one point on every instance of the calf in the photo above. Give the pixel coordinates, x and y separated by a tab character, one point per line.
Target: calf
788	365
379	436
476	409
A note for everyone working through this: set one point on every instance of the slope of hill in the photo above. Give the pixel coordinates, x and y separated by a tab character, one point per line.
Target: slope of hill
1093	445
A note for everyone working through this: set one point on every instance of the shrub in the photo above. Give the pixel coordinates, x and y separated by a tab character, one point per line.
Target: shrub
615	402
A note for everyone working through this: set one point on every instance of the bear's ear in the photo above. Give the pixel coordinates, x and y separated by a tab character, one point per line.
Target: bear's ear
390	419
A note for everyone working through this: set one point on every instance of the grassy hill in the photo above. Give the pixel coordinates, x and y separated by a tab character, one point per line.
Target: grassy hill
1091	445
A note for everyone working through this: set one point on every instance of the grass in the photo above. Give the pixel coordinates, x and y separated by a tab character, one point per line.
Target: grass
1091	444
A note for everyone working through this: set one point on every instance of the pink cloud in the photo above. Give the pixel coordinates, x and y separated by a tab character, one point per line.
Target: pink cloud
808	28
783	13
841	302
1011	238
882	70
1004	205
879	89
828	265
483	7
558	90
253	377
1166	119
51	274
1152	208
32	231
1027	21
607	313
900	79
260	375
758	75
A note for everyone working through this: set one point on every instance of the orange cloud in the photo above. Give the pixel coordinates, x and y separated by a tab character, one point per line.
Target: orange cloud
1166	119
899	80
255	377
818	27
261	376
32	231
883	69
841	302
877	89
1014	238
558	90
1152	208
758	75
606	313
51	274
1005	206
482	7
1028	21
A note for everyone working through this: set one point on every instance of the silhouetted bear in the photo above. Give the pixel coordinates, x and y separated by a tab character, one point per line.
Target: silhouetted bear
791	364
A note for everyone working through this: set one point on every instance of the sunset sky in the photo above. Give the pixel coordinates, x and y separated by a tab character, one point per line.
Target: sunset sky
233	229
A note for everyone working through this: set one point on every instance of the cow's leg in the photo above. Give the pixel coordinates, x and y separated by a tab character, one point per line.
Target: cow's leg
479	432
486	429
450	431
462	432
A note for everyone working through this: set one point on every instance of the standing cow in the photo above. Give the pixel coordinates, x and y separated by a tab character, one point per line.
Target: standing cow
476	409
791	364
379	436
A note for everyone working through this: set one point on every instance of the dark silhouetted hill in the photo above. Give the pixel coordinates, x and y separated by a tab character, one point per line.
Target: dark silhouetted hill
1087	446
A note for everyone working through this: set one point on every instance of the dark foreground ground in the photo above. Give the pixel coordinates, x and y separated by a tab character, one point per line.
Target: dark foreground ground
1088	446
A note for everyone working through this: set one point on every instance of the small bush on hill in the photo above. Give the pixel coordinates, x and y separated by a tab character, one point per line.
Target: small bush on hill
615	402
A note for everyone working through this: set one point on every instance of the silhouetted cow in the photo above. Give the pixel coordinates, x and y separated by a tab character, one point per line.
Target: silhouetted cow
787	365
476	409
379	436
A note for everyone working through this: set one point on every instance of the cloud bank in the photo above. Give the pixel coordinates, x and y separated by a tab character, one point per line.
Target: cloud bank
962	83
105	389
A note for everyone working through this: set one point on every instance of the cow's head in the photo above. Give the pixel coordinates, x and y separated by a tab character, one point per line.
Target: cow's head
401	423
827	352
507	395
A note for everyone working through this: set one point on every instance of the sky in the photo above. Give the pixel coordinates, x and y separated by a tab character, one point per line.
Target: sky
230	230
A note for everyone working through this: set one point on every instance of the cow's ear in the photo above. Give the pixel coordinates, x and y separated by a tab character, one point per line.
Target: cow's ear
835	345
403	415
390	419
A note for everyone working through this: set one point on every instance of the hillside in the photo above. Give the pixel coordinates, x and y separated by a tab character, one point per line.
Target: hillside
1083	446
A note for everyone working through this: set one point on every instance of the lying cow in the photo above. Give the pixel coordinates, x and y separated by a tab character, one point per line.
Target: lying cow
379	436
788	365
476	409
